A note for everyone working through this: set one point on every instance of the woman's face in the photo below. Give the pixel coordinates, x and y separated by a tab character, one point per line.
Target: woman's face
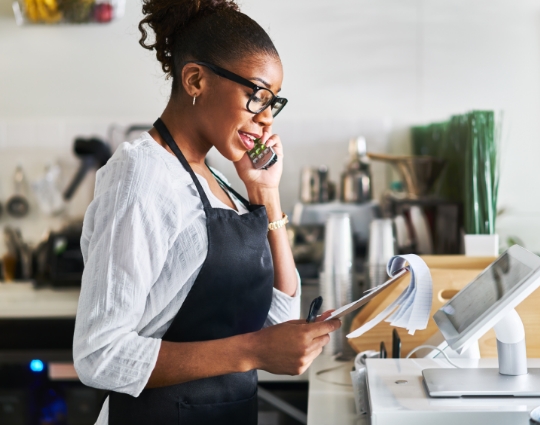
226	122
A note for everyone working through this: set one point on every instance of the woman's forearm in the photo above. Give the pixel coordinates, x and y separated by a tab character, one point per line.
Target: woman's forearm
180	362
287	348
285	278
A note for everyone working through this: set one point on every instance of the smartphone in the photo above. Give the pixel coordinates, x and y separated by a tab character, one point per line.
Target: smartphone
261	156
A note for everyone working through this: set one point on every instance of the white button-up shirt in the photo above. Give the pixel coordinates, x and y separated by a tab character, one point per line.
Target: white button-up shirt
144	242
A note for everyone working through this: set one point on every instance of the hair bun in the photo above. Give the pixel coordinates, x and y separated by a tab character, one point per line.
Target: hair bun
211	30
167	18
215	5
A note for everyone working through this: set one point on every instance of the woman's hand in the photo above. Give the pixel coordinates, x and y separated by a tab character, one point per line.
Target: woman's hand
262	179
289	348
324	316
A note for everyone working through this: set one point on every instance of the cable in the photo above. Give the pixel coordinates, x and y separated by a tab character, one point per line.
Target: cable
433	348
321	372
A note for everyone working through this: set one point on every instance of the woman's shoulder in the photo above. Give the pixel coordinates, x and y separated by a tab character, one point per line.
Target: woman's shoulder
144	166
142	175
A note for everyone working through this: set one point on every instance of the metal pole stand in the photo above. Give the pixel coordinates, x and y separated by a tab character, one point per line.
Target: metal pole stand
511	349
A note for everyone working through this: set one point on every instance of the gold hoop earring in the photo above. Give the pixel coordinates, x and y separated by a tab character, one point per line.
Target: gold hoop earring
194	98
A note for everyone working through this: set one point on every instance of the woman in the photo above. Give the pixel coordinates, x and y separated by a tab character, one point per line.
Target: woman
186	284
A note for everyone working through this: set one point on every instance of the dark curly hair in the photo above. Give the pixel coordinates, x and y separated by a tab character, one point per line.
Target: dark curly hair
207	30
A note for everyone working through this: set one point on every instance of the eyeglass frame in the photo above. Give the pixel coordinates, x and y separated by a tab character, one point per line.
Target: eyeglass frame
245	82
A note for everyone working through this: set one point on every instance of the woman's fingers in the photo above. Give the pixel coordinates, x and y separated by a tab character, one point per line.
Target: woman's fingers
290	347
267	134
297	322
324	328
324	316
320	342
272	141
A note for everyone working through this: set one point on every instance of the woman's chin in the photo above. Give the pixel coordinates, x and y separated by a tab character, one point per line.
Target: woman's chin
238	157
233	155
236	154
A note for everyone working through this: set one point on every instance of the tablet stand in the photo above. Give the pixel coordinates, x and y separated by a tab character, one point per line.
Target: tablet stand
512	379
511	348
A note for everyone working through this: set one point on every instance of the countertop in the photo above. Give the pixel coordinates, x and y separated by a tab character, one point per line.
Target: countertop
396	390
331	399
20	300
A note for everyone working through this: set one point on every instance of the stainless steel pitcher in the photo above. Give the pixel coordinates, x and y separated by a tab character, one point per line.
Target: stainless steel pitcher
315	186
356	178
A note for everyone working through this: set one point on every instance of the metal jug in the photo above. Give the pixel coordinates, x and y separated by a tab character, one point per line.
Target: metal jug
314	185
356	179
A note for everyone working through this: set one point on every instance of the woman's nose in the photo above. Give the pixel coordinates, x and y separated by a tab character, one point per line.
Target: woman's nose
264	118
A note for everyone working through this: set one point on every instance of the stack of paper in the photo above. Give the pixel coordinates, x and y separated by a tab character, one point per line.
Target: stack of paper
411	310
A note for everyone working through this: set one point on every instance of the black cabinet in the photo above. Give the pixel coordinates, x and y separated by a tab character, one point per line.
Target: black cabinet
30	398
36	334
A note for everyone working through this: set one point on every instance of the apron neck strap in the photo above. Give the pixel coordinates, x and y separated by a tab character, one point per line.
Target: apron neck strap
226	187
159	125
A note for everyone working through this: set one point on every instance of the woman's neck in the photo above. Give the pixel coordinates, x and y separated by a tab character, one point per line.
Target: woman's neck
182	126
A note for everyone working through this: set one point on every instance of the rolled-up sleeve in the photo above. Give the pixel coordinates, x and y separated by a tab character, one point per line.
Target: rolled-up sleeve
125	245
284	307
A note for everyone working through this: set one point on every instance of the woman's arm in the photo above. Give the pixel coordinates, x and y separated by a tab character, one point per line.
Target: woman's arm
287	348
285	277
125	243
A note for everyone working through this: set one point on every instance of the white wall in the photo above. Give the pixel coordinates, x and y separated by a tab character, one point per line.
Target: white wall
351	66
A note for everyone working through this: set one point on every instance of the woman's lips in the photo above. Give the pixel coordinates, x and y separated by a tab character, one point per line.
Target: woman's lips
246	140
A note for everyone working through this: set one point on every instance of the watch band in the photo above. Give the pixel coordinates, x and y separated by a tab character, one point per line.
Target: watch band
274	225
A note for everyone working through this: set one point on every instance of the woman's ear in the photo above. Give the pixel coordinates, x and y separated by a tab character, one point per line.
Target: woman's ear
193	79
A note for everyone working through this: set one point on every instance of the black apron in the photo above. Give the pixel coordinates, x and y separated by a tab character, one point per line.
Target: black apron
231	296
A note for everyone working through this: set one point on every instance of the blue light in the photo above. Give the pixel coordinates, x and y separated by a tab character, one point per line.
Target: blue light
36	365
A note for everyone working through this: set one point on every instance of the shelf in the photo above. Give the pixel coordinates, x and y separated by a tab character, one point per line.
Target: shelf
67	12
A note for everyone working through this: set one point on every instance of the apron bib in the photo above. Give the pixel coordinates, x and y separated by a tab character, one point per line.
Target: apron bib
231	296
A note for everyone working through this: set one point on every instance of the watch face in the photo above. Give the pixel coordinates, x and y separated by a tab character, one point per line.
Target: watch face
262	156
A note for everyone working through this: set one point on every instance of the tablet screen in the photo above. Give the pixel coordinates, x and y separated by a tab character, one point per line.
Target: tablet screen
485	291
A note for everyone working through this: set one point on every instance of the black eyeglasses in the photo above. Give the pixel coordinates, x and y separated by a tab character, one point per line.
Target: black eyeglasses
260	99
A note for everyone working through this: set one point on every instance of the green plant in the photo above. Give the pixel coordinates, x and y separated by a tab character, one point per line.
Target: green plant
481	172
469	145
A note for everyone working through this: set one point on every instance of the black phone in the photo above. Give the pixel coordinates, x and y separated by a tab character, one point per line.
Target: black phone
261	156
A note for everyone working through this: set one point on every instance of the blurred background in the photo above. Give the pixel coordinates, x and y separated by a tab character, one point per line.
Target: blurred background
365	79
351	68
